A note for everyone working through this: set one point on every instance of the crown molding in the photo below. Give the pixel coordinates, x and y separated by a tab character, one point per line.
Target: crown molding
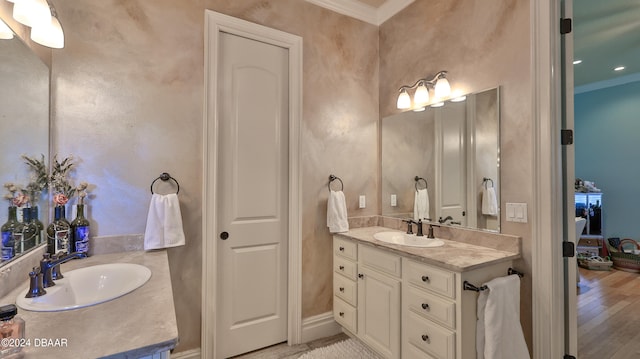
363	11
607	83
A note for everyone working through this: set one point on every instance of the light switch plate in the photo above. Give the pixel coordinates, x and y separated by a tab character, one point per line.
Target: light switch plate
394	200
362	202
517	212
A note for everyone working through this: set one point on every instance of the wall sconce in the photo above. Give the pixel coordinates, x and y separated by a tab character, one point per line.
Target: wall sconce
440	85
43	20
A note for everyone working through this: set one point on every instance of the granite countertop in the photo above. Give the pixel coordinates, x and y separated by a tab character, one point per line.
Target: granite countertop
140	323
453	255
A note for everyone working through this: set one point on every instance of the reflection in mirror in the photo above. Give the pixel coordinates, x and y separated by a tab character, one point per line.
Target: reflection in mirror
24	127
454	148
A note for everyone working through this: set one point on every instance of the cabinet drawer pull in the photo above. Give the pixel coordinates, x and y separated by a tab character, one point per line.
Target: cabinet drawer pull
341	267
341	314
342	289
425	337
425	306
360	275
425	278
341	249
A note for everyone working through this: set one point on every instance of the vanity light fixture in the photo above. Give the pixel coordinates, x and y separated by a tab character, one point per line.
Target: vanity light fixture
5	31
31	12
50	32
441	87
438	104
619	68
459	99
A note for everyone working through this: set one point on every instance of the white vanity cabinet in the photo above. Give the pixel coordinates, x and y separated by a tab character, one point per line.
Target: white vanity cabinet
404	308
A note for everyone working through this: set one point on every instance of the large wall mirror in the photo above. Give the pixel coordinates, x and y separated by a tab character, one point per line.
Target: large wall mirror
454	151
24	125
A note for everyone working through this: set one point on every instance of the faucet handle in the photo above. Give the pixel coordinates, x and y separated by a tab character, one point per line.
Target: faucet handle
56	273
409	222
35	284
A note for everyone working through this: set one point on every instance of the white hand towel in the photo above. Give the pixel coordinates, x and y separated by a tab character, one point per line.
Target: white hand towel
498	330
164	223
337	213
489	201
421	205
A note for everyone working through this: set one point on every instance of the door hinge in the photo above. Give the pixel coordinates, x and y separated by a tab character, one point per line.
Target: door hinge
568	249
567	356
565	26
566	137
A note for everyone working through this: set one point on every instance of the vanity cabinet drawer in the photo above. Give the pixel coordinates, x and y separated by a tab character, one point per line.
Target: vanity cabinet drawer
345	314
345	248
380	260
345	267
427	277
345	289
429	337
430	306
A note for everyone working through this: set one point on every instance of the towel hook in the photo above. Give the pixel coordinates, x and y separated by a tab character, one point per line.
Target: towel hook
333	178
165	177
426	185
486	181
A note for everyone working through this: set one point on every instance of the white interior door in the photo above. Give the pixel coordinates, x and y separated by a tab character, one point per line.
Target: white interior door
568	177
252	192
451	186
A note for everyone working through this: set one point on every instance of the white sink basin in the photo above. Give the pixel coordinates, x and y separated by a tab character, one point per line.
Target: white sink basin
410	240
88	286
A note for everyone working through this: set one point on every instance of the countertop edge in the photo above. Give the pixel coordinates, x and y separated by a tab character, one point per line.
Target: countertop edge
499	256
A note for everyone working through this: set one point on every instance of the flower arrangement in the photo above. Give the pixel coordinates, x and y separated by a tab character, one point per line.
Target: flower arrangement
15	196
39	177
59	180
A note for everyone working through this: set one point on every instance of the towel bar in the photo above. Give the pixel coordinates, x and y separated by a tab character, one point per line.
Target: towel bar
426	185
468	286
165	177
333	178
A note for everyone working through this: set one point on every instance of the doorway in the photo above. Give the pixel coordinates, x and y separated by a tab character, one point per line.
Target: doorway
251	221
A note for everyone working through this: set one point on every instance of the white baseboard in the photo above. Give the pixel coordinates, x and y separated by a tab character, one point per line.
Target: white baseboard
319	326
189	354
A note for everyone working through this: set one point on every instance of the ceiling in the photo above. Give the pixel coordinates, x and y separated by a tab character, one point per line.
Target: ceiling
606	35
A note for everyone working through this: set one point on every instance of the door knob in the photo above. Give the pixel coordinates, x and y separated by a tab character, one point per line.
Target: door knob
224	235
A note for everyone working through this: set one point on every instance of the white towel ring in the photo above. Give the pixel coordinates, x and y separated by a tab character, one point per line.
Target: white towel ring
165	177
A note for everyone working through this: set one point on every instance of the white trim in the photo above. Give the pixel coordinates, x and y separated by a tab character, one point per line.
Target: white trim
214	24
546	236
362	11
189	354
622	80
319	326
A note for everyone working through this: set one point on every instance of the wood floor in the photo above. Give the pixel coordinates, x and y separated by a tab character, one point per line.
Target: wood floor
608	314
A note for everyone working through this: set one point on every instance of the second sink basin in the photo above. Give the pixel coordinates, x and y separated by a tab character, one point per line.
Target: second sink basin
88	286
410	240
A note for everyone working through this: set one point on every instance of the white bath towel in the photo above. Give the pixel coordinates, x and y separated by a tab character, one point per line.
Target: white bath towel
489	201
421	205
498	331
164	223
337	213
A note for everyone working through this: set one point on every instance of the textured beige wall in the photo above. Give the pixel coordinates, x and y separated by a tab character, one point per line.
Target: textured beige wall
483	44
128	94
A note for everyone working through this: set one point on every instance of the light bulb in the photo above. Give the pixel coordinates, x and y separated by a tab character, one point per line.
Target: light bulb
5	31
49	34
421	97
404	101
443	89
31	12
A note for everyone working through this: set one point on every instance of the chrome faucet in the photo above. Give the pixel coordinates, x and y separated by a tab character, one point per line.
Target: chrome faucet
47	265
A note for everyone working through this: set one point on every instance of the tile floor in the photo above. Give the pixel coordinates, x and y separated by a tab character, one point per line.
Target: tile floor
283	351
